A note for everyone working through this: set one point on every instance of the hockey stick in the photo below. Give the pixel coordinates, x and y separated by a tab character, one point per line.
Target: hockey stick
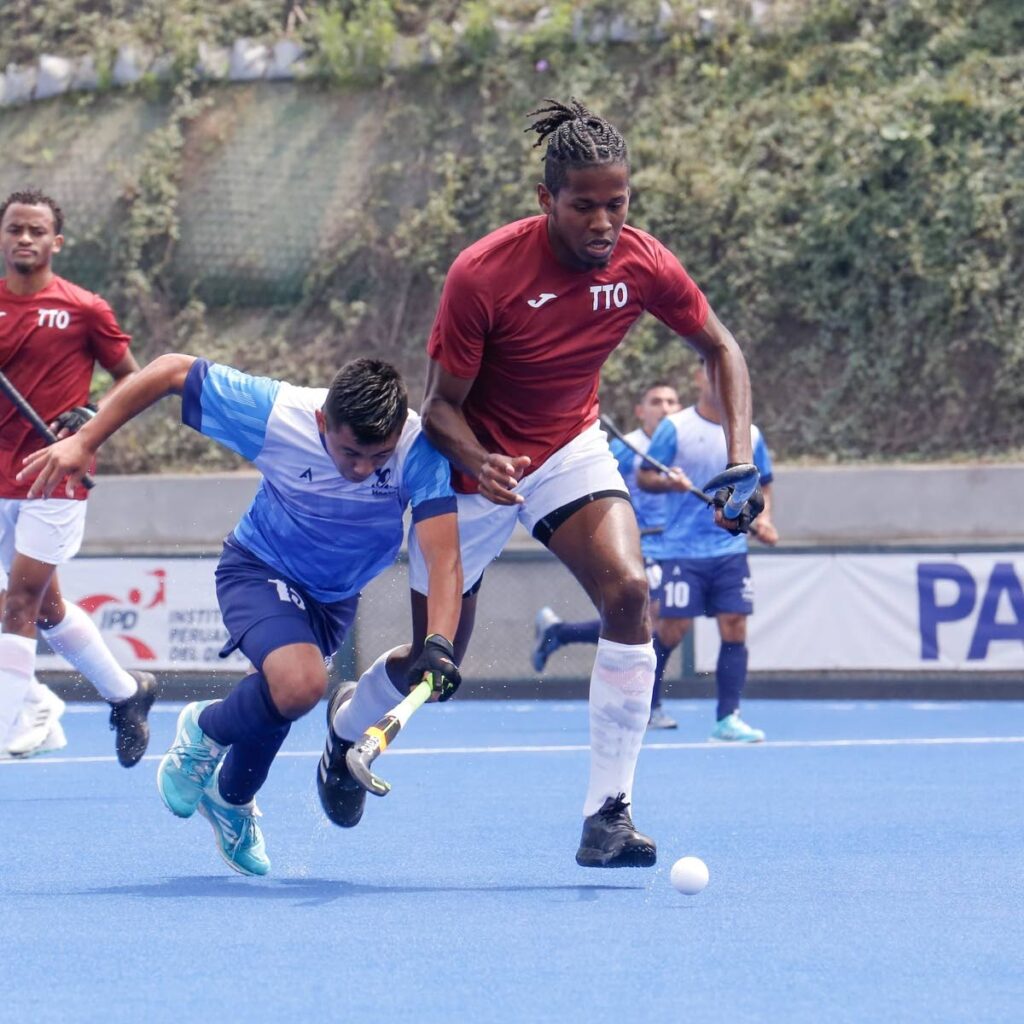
745	483
653	463
377	738
34	419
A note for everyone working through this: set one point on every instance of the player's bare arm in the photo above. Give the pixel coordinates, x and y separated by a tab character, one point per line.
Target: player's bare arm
438	539
764	528
74	419
445	424
138	391
661	483
727	370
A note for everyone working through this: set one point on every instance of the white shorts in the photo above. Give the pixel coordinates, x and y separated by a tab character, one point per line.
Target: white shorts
47	529
583	466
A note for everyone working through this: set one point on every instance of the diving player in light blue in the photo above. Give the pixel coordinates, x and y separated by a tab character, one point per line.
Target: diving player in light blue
704	569
340	466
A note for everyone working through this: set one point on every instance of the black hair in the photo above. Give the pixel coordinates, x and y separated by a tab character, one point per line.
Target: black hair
369	396
576	138
655	384
33	197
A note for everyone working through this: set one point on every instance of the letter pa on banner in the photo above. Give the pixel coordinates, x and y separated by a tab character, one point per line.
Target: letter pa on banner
867	612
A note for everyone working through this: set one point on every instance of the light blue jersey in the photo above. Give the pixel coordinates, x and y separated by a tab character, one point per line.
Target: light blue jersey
651	509
697	446
317	528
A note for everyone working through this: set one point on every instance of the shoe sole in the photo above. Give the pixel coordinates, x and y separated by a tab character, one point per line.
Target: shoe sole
736	739
642	856
223	856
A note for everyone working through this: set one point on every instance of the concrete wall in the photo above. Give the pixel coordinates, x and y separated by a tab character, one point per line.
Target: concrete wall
944	504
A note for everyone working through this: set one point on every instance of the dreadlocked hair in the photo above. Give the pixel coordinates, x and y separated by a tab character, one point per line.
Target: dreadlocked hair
33	197
576	138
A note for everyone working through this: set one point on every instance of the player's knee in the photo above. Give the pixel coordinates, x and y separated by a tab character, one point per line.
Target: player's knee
303	692
671	631
625	597
21	609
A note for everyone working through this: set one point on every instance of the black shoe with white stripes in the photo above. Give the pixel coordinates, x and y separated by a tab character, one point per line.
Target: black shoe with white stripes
610	840
341	797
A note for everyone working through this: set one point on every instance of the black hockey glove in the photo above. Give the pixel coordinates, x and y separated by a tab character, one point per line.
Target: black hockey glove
739	484
74	419
438	660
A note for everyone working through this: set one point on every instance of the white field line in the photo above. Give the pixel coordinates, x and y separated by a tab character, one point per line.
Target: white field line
575	748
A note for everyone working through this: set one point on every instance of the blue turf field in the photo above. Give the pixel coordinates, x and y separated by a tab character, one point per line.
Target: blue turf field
851	880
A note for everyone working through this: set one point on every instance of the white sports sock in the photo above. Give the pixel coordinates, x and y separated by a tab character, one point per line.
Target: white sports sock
17	665
620	704
76	639
37	692
375	696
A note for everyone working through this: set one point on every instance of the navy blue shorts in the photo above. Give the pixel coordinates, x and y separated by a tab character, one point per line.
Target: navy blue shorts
653	570
263	610
705	586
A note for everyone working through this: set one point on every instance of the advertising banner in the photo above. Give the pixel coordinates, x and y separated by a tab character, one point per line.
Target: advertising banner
153	613
863	612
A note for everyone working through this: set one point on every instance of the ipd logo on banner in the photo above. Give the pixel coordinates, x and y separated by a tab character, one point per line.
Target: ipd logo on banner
948	592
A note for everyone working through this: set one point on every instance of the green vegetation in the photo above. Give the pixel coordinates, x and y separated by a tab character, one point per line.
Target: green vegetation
848	188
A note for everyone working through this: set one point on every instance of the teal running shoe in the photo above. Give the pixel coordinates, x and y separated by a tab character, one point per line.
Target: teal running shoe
186	769
732	729
238	834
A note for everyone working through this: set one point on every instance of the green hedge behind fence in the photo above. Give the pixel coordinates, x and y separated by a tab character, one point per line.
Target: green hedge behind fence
847	188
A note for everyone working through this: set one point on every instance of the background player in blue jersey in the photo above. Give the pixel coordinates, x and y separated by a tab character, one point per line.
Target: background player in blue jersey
550	632
340	466
704	570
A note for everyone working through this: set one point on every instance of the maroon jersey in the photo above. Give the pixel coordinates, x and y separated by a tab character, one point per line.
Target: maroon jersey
533	335
49	344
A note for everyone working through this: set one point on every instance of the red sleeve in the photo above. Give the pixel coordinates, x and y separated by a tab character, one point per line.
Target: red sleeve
106	339
462	323
675	300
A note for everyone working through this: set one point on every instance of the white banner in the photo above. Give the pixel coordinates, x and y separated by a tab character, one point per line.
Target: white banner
862	612
153	613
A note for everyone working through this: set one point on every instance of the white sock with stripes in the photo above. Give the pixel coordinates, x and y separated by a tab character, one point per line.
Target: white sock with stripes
620	704
76	639
375	696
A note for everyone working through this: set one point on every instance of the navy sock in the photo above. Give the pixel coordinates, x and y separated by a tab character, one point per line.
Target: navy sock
247	764
577	632
661	654
247	720
730	675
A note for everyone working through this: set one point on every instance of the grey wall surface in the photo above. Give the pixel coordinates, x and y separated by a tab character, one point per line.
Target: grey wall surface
181	514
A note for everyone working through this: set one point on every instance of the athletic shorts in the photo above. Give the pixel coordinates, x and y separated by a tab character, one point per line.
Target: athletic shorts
705	586
583	468
49	530
264	610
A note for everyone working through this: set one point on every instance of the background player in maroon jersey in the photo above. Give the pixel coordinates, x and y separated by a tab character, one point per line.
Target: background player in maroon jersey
527	317
52	333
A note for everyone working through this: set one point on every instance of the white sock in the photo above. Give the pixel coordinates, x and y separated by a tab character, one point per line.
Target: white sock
620	704
76	639
17	665
37	691
375	696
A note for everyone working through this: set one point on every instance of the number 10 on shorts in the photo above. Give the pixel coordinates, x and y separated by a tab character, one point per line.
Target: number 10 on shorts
677	594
